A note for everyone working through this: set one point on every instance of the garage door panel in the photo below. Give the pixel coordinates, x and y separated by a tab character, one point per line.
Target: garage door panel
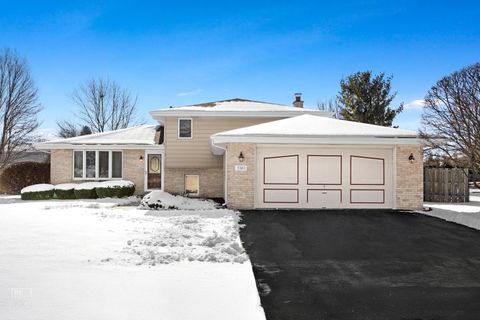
271	195
324	197
324	169
367	170
367	196
291	176
281	169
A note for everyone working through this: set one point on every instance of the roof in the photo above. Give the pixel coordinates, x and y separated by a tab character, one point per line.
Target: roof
143	135
236	107
315	129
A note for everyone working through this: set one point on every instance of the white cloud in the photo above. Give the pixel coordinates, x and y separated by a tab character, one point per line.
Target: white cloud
189	93
415	104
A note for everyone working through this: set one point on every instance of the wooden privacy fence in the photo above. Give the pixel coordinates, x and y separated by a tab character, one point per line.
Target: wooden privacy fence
445	185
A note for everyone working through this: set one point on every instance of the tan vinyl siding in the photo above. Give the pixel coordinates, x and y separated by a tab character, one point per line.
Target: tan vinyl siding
196	152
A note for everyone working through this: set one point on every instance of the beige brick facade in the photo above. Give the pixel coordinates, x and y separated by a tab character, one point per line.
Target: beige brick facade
62	167
134	169
211	181
409	177
61	170
241	184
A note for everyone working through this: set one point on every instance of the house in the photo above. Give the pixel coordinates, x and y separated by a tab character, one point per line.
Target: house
254	155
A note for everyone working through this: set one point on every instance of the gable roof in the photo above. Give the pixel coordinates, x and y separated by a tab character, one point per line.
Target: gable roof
143	135
313	129
236	107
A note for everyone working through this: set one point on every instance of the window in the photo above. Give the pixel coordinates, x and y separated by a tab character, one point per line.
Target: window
192	185
116	164
97	164
185	128
78	164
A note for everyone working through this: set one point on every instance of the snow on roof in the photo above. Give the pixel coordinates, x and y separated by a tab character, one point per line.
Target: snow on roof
235	106
139	135
314	126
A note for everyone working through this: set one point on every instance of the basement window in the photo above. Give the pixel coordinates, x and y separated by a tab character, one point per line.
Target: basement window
192	185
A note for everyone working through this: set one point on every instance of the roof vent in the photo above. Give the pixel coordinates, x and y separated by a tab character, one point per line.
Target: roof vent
298	103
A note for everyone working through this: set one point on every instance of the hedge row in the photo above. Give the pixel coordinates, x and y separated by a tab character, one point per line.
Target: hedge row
81	191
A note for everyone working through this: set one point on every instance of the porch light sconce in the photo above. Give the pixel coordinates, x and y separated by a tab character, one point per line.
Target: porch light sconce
141	158
411	158
241	157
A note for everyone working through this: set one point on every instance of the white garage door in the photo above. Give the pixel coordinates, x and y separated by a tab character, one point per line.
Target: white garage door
314	177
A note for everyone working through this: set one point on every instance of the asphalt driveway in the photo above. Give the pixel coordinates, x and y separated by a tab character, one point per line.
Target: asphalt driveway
363	265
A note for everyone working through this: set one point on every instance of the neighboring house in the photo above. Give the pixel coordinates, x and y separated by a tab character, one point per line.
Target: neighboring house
254	155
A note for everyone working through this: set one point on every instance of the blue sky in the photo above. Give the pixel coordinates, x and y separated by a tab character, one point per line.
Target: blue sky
181	52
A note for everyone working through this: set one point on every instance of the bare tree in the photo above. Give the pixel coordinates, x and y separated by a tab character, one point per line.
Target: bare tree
452	112
104	105
18	107
331	105
67	129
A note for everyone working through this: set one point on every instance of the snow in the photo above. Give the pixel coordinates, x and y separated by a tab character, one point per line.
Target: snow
467	213
38	188
100	259
86	186
142	135
65	186
115	184
164	200
312	125
239	105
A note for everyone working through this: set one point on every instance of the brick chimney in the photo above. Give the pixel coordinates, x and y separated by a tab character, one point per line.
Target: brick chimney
298	103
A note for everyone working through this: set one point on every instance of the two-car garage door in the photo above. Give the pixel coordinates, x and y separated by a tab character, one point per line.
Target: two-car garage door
308	177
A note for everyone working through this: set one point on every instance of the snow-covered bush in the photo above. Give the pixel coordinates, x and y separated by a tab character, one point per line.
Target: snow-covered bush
115	189
86	190
65	191
37	192
159	200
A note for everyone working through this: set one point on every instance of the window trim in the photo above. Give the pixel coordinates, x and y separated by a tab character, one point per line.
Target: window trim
185	187
97	165
191	129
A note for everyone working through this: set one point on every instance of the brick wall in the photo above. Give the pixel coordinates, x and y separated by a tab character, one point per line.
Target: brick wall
211	181
241	185
133	169
62	162
409	177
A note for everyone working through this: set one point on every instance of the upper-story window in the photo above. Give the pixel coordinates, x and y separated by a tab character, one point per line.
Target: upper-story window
185	128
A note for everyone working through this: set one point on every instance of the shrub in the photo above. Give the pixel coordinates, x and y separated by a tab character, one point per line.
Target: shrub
85	190
37	192
115	189
23	174
65	191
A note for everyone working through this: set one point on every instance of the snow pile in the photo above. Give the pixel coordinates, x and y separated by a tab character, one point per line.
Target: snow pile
65	186
115	184
179	235
38	188
164	200
86	186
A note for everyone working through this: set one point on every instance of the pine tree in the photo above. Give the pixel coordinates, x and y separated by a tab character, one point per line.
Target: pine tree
364	97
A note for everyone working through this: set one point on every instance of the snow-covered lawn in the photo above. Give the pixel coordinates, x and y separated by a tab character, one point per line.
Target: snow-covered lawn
467	213
93	259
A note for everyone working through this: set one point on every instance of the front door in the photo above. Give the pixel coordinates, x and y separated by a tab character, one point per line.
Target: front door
154	171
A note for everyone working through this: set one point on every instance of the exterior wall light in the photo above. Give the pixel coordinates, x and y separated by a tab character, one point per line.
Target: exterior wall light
141	158
241	157
411	158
